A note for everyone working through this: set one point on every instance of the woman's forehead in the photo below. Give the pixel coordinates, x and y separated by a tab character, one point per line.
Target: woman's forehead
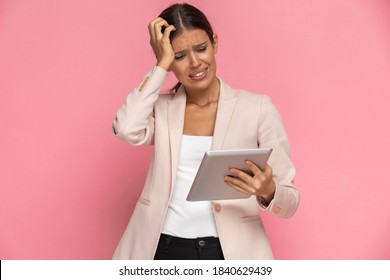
189	38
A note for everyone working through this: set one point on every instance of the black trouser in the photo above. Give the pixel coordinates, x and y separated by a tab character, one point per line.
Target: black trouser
175	248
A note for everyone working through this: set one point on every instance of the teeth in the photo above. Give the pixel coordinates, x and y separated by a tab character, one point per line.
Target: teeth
199	74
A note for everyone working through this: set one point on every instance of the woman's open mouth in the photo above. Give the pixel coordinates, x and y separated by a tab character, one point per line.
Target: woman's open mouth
199	75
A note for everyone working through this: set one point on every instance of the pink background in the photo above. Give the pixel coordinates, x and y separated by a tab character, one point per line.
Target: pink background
68	186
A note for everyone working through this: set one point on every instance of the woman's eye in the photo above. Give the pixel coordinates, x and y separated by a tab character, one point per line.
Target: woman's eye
202	49
179	56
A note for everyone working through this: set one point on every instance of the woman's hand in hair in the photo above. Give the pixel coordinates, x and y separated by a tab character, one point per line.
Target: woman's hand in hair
160	42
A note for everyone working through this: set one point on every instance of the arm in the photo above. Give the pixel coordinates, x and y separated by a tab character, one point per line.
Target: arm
272	134
134	122
274	186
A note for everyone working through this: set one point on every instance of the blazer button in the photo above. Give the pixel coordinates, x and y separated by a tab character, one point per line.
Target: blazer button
217	208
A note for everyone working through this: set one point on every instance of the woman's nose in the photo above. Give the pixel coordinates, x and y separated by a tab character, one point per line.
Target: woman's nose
194	60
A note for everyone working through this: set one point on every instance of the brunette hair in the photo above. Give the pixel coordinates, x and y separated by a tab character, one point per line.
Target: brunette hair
184	17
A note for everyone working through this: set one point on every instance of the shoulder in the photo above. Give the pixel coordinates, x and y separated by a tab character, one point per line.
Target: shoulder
163	100
251	96
165	97
244	95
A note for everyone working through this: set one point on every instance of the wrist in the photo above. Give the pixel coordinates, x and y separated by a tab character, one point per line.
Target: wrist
269	195
164	64
266	199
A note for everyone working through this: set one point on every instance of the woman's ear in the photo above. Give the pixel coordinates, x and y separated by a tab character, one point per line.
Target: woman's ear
215	43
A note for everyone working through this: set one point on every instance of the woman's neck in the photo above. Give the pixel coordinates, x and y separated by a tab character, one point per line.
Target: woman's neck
204	96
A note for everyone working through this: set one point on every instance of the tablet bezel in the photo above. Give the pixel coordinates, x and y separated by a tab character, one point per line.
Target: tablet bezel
215	165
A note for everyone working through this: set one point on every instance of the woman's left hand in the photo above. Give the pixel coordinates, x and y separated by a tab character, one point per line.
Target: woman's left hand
260	184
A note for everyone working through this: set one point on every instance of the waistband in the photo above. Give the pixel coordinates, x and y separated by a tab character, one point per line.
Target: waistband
201	241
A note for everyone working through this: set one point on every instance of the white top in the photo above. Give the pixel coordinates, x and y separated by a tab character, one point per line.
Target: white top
189	219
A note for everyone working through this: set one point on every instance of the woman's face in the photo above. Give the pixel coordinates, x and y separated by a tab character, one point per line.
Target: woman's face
194	64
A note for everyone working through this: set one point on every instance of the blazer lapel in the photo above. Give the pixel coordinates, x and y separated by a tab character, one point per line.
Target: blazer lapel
226	104
176	111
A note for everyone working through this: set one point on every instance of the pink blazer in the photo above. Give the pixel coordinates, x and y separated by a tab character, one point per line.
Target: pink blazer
244	120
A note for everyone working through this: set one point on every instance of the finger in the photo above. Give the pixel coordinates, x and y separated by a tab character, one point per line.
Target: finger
241	174
268	171
151	26
168	30
154	28
238	188
157	29
240	185
254	168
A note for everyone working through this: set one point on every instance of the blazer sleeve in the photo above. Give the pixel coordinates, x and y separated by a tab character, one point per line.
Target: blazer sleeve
134	122
272	134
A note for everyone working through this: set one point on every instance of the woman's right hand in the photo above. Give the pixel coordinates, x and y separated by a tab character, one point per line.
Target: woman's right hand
160	42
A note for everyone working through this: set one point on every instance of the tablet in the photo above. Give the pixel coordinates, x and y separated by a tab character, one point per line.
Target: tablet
209	183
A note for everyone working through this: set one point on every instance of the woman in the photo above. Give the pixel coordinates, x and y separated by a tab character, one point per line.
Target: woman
202	113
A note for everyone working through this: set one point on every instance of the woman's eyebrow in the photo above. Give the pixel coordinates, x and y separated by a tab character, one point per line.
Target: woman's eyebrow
199	45
194	47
